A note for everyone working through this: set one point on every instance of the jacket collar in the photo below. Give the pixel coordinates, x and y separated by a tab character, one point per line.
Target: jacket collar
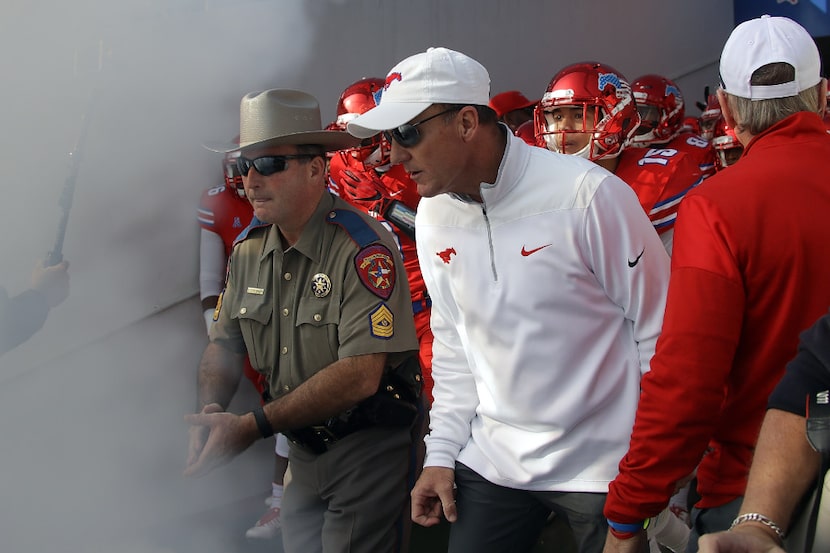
513	163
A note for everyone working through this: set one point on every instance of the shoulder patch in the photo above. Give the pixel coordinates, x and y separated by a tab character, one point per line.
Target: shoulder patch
355	226
382	322
376	269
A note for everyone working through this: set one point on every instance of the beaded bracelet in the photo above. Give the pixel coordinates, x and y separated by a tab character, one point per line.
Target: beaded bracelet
758	517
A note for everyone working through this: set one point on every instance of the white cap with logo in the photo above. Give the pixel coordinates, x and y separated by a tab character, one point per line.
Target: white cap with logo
437	76
766	40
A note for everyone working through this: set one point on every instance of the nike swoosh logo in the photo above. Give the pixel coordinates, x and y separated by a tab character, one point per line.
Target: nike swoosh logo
637	259
526	252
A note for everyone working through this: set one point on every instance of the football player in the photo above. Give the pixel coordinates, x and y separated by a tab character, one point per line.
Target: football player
589	110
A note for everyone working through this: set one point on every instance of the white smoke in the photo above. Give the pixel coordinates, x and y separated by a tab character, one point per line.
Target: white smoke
91	407
155	80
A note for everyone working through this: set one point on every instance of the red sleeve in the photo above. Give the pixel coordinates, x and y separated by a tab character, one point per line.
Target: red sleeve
223	213
208	204
682	394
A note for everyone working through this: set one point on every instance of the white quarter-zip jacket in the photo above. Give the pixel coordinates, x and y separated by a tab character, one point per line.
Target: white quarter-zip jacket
548	299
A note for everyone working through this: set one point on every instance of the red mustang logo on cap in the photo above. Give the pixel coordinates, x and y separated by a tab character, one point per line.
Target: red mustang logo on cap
446	254
392	77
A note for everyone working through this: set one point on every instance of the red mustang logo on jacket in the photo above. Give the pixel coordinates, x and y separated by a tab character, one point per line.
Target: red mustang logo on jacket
445	255
392	77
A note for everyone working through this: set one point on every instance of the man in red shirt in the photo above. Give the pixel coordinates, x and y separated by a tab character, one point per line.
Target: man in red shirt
749	272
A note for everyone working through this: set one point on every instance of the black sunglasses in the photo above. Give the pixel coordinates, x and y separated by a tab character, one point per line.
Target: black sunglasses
267	165
407	135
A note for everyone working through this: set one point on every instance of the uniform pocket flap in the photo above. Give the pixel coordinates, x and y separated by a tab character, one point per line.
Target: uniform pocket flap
254	308
318	311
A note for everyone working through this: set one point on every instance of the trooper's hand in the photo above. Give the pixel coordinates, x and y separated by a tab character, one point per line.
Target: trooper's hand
199	435
228	436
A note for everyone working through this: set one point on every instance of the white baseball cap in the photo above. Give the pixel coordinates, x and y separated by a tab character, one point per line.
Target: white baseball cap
765	40
437	76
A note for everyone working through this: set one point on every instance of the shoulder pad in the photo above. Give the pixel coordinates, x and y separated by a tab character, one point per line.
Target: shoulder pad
255	223
355	226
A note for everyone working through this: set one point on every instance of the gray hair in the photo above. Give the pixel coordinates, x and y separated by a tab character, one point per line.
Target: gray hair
758	115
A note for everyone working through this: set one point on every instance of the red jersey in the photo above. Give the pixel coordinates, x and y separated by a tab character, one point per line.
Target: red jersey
223	212
699	149
662	177
748	274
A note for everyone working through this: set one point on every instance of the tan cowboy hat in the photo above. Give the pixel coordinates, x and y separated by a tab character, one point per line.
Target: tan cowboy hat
283	116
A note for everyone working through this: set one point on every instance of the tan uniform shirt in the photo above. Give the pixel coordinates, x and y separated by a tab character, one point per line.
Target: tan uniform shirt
297	311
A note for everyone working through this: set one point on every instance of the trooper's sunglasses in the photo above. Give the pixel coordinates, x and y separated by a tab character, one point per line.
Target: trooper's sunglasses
267	165
408	135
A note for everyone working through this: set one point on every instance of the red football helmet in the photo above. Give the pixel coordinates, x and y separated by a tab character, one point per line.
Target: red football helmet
661	108
357	99
527	132
233	178
709	118
605	98
726	144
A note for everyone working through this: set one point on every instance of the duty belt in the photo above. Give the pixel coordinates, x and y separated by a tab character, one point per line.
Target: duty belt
395	404
318	439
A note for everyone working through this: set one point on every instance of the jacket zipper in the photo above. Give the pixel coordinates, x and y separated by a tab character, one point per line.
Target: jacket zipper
490	242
